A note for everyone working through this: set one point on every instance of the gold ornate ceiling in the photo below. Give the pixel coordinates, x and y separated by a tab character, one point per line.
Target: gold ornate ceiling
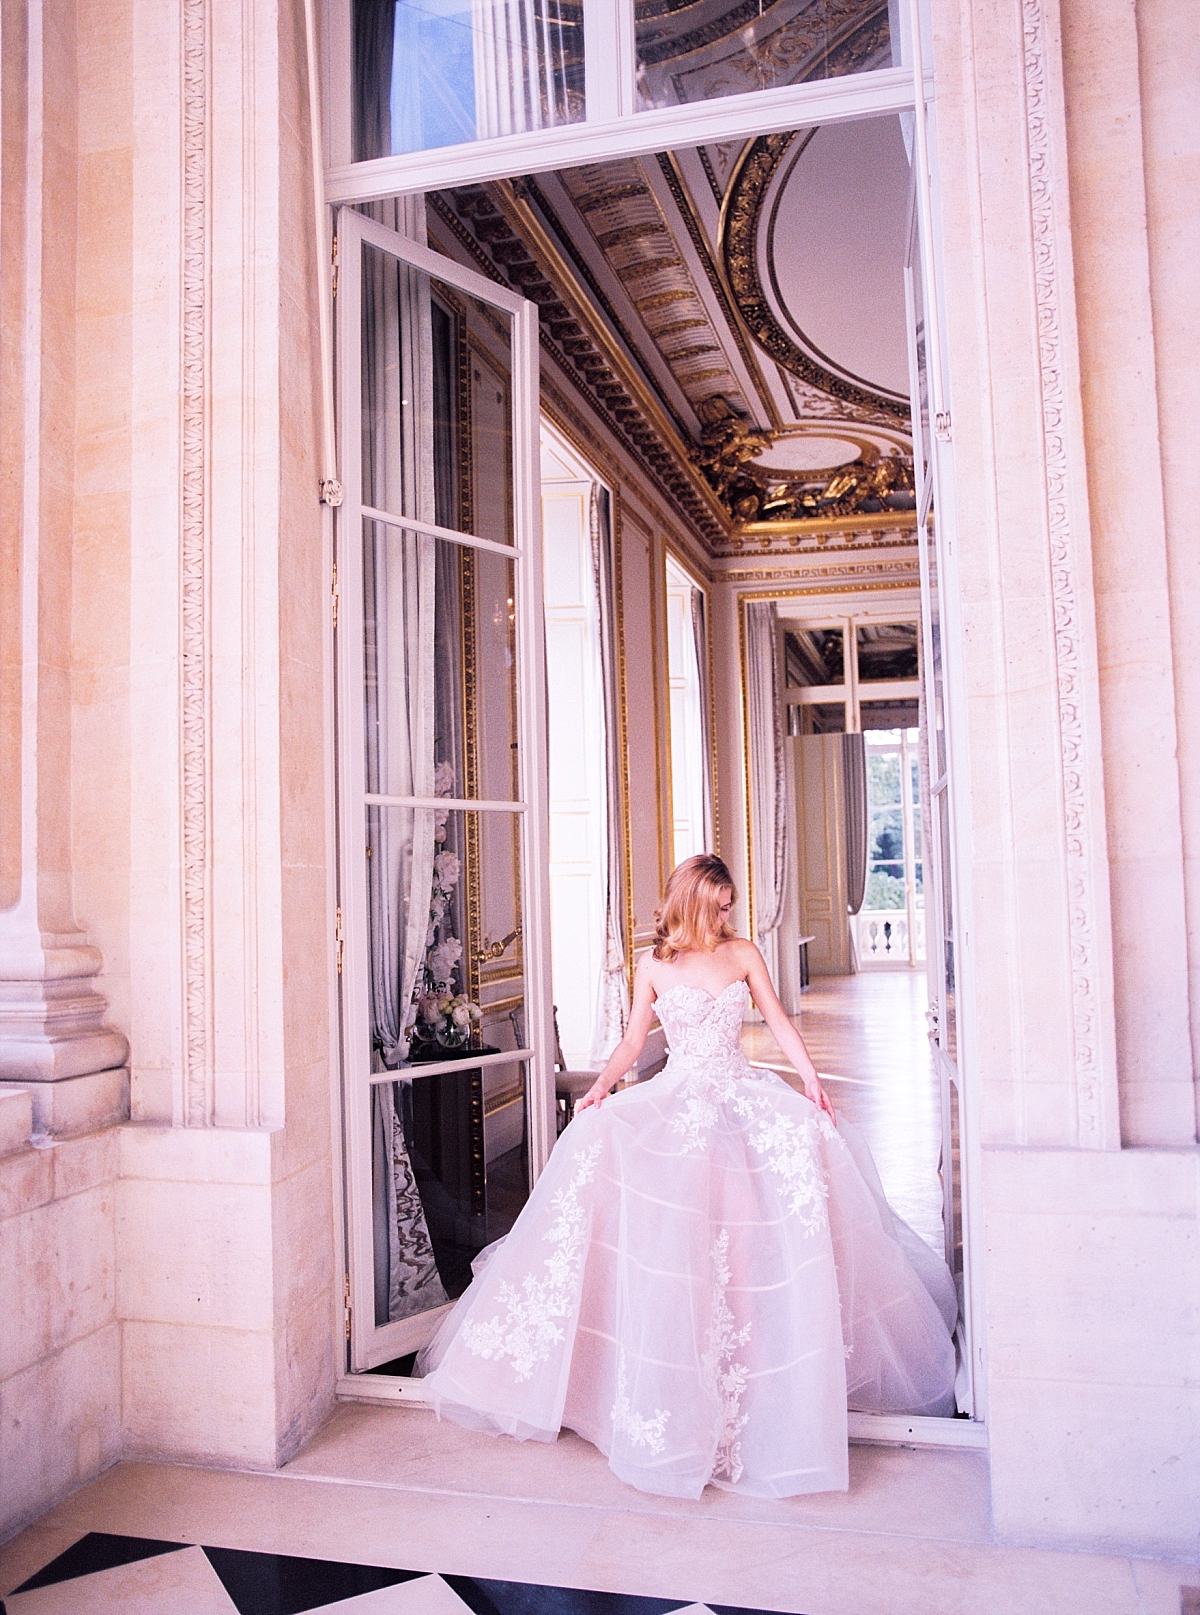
735	313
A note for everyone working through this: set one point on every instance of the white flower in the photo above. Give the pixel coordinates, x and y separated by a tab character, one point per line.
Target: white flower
446	869
443	959
443	779
461	1016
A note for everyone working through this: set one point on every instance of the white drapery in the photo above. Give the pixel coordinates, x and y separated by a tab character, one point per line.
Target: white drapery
854	780
612	1002
399	609
521	50
700	642
768	786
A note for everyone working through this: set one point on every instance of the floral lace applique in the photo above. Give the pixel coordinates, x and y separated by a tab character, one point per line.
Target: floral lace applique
791	1154
642	1432
705	1037
528	1331
727	1377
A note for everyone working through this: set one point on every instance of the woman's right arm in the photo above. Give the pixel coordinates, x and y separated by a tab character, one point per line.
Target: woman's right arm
624	1056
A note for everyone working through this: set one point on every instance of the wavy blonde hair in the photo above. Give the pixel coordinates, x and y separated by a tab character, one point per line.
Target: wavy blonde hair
689	919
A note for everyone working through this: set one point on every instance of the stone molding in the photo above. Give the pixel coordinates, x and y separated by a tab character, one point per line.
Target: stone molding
194	647
1067	530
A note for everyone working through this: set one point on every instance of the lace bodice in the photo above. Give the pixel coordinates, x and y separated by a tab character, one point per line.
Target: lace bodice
700	1026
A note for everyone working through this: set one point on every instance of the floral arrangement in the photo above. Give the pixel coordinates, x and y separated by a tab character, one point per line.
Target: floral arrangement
437	1013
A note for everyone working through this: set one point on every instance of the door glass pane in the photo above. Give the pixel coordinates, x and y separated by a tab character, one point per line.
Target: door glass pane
888	715
948	1027
447	971
449	1174
822	718
433	73
436	401
693	50
813	656
886	651
439	658
918	375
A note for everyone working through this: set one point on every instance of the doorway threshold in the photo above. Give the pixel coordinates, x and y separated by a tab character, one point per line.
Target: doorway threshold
876	1429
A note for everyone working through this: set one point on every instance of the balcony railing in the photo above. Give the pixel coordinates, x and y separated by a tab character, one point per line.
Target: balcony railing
881	937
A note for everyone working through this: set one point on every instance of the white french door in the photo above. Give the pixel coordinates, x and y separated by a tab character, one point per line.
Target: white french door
443	905
932	459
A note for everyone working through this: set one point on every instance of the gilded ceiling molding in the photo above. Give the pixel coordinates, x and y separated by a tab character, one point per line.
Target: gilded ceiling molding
638	243
738	250
194	628
677	185
1078	814
584	350
829	581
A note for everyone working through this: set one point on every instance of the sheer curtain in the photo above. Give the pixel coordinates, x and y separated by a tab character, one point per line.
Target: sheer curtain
399	608
768	821
612	1006
700	640
854	779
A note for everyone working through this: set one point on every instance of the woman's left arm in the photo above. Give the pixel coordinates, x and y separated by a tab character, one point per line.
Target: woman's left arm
763	992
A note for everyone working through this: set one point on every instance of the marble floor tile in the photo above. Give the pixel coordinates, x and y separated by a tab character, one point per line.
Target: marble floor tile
833	1572
169	1584
425	1595
885	1549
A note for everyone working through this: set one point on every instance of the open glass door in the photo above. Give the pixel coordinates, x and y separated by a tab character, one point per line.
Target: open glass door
448	1093
930	449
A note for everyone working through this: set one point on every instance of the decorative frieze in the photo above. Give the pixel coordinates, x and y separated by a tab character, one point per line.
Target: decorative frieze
1047	227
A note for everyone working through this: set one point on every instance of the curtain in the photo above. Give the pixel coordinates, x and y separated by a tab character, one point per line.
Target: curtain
768	823
700	639
522	49
400	576
612	1005
854	779
374	45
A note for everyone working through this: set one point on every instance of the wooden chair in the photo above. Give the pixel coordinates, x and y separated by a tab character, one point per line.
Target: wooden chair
569	1086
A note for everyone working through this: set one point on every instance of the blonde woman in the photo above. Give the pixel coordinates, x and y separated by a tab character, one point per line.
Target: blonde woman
707	1274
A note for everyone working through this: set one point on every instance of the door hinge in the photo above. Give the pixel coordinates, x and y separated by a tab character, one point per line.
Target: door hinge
347	1307
331	492
337	937
335	597
942	426
334	275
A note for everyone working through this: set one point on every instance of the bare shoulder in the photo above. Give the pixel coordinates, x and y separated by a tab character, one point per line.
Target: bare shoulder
647	970
741	953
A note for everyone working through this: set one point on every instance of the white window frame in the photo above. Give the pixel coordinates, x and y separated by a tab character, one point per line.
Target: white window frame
614	131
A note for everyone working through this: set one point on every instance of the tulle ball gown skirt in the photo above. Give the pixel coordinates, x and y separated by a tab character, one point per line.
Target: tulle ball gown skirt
704	1278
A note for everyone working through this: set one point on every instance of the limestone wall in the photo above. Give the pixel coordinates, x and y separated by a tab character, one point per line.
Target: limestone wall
1078	1051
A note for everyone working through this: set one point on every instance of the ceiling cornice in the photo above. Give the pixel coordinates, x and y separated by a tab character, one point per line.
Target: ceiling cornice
503	235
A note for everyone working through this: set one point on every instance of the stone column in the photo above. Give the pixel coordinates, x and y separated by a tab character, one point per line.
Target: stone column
53	1037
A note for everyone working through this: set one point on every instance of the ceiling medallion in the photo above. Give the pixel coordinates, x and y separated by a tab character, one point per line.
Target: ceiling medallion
872	484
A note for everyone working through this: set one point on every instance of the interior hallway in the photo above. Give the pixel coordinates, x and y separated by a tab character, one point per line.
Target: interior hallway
868	1037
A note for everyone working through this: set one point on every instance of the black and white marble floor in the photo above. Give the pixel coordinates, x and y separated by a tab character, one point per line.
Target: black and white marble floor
105	1574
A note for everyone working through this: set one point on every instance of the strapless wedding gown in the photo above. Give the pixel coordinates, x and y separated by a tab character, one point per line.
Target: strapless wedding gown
705	1276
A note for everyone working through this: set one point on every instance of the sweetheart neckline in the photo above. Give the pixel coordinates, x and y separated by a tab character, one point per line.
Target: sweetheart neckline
695	987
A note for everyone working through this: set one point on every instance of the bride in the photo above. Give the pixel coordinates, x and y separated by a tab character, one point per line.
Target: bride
706	1275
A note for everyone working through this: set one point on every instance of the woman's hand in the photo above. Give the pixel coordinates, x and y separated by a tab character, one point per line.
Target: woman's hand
596	1095
814	1091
